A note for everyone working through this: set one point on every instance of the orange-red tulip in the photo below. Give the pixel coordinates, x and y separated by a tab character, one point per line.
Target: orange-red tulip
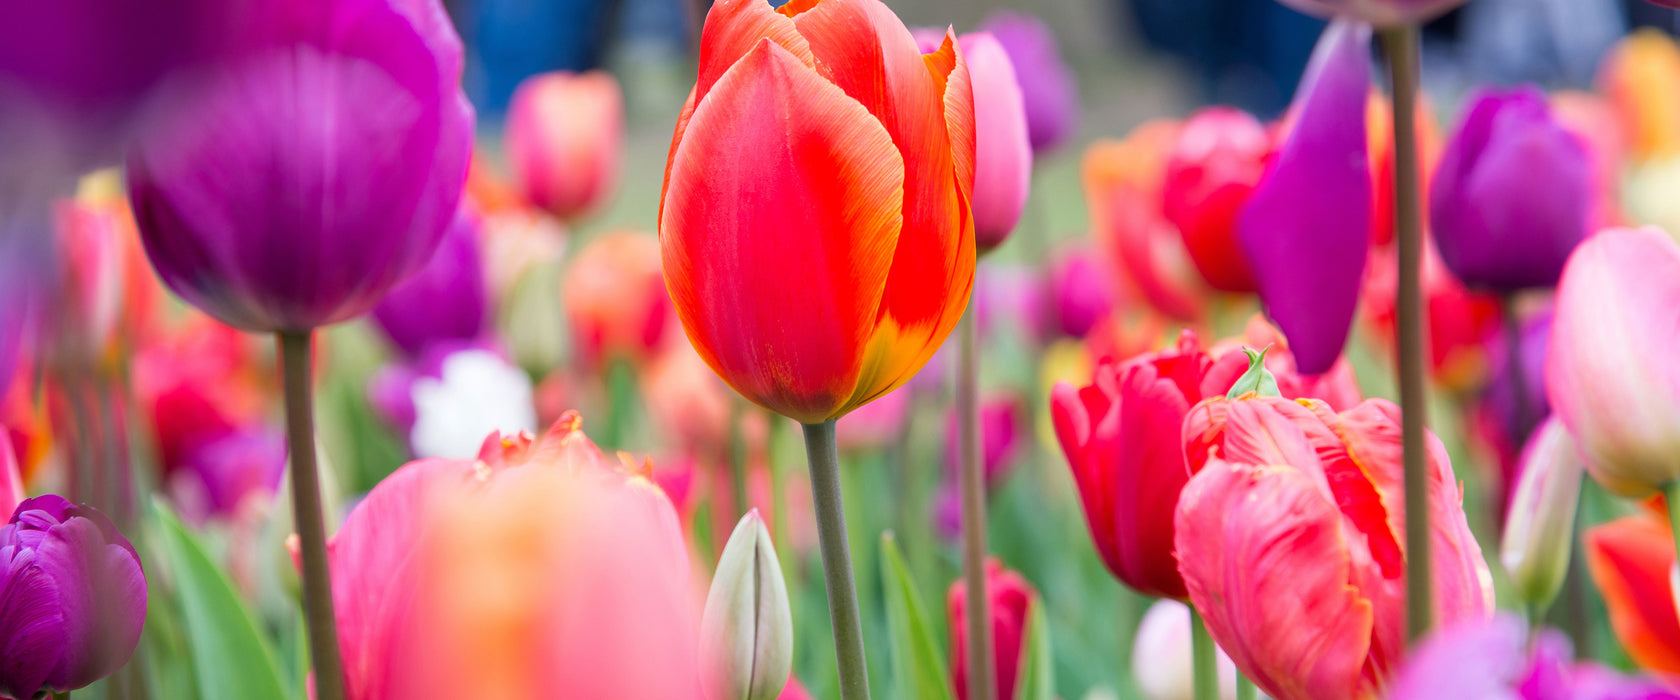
1629	559
615	297
817	237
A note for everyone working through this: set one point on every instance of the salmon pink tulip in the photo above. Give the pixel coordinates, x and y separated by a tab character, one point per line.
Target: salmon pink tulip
1630	559
815	226
1605	374
565	140
1289	539
1218	159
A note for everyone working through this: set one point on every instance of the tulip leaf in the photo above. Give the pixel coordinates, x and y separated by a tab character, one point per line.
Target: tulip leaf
917	662
1037	680
229	655
1257	379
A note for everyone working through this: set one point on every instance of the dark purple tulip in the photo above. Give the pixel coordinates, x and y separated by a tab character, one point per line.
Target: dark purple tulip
1048	88
72	598
1512	194
314	173
1080	289
445	301
1306	228
1493	658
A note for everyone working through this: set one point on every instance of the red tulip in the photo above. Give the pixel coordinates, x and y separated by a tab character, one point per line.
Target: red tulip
565	140
1123	187
1218	159
817	240
1289	538
1010	601
1630	559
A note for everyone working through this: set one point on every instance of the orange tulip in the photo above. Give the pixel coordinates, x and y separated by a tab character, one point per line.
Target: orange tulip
817	237
1629	559
1641	76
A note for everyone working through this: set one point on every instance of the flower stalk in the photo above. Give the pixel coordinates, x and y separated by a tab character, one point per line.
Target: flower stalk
297	378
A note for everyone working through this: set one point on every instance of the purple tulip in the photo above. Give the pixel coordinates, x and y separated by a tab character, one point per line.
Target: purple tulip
1480	659
1511	197
1000	439
1500	394
313	173
72	598
445	301
219	476
1047	85
1081	290
1383	13
1306	228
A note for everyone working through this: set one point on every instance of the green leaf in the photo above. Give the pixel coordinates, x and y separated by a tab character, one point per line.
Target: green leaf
1037	680
917	662
1257	379
229	654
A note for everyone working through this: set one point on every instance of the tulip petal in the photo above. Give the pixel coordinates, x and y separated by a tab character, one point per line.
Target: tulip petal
781	174
34	634
1306	228
733	29
98	583
1629	559
1263	555
11	480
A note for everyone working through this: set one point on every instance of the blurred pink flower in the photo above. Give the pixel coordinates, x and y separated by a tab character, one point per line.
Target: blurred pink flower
565	139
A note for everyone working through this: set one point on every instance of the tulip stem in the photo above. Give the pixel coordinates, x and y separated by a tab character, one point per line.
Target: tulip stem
973	483
1245	688
1203	659
738	456
297	378
1400	45
1517	374
1671	494
824	456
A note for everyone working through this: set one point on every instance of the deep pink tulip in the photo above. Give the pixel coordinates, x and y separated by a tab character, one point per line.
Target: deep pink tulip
1010	602
1003	157
1218	159
565	139
1289	540
1081	289
1606	373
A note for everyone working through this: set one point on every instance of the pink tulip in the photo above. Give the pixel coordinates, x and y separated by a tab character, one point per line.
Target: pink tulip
1289	539
565	139
11	480
1002	154
1607	375
1010	600
541	569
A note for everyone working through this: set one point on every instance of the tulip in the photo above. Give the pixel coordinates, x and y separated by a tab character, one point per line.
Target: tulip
1513	423
1630	559
1338	387
615	297
1048	89
445	300
75	598
814	322
1081	290
1603	375
11	480
277	204
1009	601
565	140
1641	78
1498	658
1459	320
691	407
1379	139
221	477
527	595
1512	196
1219	157
1003	156
1383	13
1123	192
1312	210
91	239
1161	662
746	634
1290	543
1001	429
1540	528
197	382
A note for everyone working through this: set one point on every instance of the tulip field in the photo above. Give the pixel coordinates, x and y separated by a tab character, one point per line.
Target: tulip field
839	349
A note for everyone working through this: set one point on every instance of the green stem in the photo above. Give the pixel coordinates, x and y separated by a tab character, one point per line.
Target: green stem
621	397
1245	688
1400	44
1516	374
824	456
973	484
1672	494
738	456
296	377
1203	655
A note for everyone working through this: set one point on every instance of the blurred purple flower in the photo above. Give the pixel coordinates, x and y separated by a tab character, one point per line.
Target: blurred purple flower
1489	659
445	300
1306	228
1512	194
1517	418
1082	293
1000	440
1009	298
316	171
218	476
1048	89
72	598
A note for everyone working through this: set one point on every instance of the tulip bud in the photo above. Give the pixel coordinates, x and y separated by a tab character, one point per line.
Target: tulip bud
1257	378
1010	599
1539	529
1002	153
75	598
1050	94
746	634
565	138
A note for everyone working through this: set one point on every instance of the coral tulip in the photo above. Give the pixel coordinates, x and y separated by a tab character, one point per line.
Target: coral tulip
615	297
276	203
1312	209
1047	84
75	598
1630	559
1512	196
1604	374
446	300
815	296
1383	13
1123	181
1010	601
1499	658
565	139
1219	157
575	612
1289	539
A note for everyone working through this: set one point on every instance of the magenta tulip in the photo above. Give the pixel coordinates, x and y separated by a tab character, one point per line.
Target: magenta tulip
446	300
